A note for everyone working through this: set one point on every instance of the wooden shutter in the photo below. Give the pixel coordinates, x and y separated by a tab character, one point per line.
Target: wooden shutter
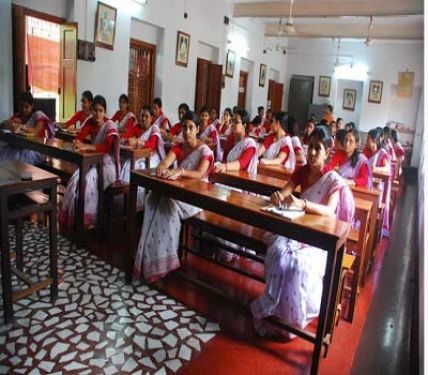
214	86
242	90
277	95
67	71
202	79
19	67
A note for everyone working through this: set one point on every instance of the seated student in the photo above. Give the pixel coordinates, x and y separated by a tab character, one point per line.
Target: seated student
157	253
378	161
79	118
309	128
293	132
225	126
27	121
124	118
214	116
260	115
350	163
328	114
339	124
208	132
105	138
175	131
350	126
267	121
294	271
255	129
398	148
160	119
333	129
277	148
387	143
240	151
339	141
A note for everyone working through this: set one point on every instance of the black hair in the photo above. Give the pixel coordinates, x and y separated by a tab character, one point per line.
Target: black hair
26	97
330	107
269	110
203	109
380	129
191	116
98	99
376	135
158	102
281	117
292	126
184	106
229	111
323	122
88	96
339	119
261	108
215	109
340	136
245	118
235	109
394	135
256	120
356	154
351	125
322	132
125	98
147	108
387	131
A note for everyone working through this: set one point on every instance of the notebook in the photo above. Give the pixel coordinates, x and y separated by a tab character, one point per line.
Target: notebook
290	214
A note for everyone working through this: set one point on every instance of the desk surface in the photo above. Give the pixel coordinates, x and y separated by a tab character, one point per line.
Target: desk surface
312	229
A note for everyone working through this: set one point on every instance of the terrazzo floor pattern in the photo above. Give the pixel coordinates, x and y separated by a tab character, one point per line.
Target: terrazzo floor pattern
98	324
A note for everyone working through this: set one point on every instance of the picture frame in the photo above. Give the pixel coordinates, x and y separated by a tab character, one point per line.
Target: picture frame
85	50
182	49
105	26
262	75
349	97
230	63
324	86
375	91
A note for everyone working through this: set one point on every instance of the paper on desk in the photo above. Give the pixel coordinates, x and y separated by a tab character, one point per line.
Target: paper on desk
290	214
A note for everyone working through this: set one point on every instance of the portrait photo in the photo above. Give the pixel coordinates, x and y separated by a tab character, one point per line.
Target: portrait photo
230	63
349	96
182	49
375	91
105	25
262	75
85	50
324	86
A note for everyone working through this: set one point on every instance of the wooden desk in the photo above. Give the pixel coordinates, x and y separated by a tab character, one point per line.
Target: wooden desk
385	178
323	232
134	154
11	188
65	135
63	150
276	171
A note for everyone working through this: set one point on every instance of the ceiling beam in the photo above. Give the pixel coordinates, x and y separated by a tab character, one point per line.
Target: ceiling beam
346	30
329	8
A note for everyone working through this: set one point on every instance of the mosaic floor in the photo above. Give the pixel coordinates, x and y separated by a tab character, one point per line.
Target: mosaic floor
98	324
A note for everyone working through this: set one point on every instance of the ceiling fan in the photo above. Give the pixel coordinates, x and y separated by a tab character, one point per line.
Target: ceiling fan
289	27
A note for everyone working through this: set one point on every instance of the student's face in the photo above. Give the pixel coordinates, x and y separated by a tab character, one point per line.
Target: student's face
269	115
226	116
156	110
146	118
262	113
310	128
350	144
86	104
276	126
181	113
317	153
190	131
123	105
371	144
337	145
333	128
25	109
204	117
98	112
213	114
237	126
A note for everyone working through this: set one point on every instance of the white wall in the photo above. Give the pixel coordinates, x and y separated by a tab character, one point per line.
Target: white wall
347	114
6	70
58	8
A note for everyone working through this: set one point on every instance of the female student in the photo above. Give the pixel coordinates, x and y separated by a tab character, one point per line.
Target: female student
208	132
105	139
267	121
79	118
240	151
225	126
175	131
277	148
157	250
159	117
398	148
294	271
214	116
293	132
350	163
309	128
31	122
378	161
151	139
124	118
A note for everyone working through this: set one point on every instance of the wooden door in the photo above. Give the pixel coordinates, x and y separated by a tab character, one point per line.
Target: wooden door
277	97
141	75
300	97
67	71
271	90
20	76
214	86
242	90
202	80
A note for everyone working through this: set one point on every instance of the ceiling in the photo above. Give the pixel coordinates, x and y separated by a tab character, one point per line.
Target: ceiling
392	19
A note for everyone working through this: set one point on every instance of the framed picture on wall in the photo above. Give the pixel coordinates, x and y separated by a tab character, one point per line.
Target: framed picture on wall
349	96
85	50
262	75
182	49
105	25
375	91
230	63
324	86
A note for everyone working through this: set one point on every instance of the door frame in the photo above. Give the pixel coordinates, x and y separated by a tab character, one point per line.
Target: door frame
246	86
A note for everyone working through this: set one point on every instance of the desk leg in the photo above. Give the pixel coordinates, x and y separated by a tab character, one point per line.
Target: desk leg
19	245
6	278
81	199
53	250
100	168
132	215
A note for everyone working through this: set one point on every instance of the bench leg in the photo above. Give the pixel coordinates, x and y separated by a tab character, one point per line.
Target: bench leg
18	245
354	290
